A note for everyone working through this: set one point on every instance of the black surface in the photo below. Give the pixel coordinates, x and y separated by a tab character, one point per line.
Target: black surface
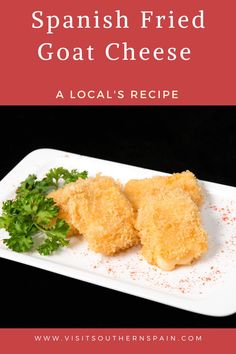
202	139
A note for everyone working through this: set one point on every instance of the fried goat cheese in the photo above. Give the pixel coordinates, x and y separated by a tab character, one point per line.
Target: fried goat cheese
104	215
170	229
137	189
61	197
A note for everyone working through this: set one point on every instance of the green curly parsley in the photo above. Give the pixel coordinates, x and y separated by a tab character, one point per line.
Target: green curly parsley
32	212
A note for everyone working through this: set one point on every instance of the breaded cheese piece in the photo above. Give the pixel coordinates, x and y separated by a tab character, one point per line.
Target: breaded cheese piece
104	215
137	189
170	229
61	197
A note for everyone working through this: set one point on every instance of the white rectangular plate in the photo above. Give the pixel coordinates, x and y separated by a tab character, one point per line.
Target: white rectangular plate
206	287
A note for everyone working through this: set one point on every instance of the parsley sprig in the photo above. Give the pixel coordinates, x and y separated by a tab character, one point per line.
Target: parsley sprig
32	212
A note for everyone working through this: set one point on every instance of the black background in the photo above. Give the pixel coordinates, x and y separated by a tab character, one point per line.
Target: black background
169	139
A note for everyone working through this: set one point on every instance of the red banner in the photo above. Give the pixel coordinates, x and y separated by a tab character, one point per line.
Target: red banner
107	52
178	341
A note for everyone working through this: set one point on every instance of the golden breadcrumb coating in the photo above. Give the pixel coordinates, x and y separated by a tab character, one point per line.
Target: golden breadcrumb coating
61	197
170	229
103	214
137	189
